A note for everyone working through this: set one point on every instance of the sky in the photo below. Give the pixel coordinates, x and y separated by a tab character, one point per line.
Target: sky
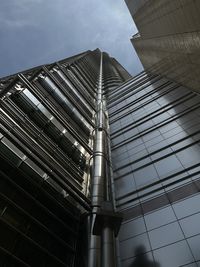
36	32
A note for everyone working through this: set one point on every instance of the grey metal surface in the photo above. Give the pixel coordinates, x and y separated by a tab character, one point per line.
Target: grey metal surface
102	247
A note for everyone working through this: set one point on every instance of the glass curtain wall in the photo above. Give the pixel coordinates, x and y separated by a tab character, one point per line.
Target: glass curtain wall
155	134
46	124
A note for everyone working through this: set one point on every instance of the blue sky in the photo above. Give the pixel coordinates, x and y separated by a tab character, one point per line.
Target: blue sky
35	32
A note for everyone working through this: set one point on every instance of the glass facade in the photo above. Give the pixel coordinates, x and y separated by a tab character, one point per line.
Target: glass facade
155	131
47	133
82	143
45	148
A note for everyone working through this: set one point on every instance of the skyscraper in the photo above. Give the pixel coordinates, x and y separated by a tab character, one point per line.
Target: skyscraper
98	168
53	134
154	121
155	127
168	40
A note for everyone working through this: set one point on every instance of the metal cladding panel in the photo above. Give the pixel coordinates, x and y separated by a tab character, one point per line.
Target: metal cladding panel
47	126
135	5
168	41
45	151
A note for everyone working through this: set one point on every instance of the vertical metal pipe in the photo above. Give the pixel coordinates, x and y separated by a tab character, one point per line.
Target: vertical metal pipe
101	248
97	183
108	247
94	252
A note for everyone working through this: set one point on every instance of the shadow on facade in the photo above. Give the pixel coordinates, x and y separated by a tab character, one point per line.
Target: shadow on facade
141	260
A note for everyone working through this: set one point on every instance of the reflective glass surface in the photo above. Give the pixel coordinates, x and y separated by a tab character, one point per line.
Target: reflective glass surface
153	131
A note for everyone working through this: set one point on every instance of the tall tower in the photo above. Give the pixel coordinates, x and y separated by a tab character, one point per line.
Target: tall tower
55	164
154	132
168	38
154	125
87	152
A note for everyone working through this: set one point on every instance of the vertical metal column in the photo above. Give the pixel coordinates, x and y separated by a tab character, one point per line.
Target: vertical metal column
104	221
97	183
